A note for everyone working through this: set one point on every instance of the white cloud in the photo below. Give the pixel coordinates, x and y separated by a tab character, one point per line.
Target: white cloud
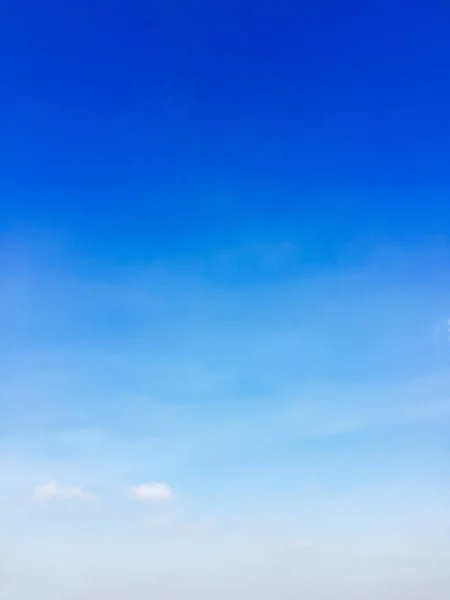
54	490
152	492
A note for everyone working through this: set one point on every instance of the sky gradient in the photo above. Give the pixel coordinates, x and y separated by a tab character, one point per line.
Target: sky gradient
224	300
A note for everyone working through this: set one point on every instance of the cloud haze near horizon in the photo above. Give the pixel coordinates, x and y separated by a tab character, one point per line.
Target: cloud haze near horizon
302	426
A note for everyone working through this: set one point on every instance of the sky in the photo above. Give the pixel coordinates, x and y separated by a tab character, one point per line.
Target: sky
225	304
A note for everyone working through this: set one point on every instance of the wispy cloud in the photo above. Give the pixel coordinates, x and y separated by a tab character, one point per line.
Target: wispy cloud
152	492
54	490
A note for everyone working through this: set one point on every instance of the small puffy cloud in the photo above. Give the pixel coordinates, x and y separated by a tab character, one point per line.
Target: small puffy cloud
152	492
54	490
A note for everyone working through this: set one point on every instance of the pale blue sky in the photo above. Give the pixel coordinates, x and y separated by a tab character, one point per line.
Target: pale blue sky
300	421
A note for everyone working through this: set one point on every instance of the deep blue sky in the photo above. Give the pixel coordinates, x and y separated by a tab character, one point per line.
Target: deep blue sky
173	121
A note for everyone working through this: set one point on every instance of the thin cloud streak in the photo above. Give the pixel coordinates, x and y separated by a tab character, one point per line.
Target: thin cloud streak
54	491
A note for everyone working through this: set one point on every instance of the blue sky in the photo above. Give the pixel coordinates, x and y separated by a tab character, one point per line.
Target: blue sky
224	258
